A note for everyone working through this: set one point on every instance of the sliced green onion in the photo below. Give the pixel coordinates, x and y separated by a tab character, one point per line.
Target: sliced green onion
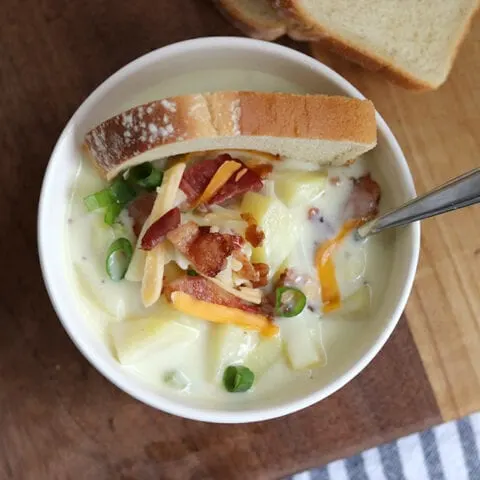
237	378
112	212
118	258
191	272
145	176
289	301
100	199
122	191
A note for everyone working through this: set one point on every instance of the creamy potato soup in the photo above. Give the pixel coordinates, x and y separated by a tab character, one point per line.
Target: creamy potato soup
246	281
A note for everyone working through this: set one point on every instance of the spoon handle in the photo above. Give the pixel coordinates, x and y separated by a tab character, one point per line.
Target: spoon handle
460	192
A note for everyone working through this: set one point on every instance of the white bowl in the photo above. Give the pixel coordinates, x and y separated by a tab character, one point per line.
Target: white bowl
127	86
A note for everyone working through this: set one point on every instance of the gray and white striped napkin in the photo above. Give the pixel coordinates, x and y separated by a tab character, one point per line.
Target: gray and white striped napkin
447	452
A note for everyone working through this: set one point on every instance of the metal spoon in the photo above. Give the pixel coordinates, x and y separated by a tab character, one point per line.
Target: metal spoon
460	192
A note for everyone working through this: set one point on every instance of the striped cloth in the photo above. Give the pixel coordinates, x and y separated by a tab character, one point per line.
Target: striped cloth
447	452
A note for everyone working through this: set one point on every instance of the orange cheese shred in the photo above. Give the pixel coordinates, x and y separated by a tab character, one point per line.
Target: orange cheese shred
221	177
326	267
213	312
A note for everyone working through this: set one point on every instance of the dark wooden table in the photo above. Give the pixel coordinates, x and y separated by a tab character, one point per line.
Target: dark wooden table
59	419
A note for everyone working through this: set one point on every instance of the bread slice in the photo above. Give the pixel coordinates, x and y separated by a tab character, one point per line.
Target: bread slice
413	42
255	18
319	129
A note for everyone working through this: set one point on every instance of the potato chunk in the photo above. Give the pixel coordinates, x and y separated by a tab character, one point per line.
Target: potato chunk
296	189
278	225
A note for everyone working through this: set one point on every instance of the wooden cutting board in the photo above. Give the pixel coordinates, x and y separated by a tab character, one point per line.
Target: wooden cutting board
59	419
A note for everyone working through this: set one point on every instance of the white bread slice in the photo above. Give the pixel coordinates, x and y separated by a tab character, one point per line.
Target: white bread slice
319	129
413	42
255	18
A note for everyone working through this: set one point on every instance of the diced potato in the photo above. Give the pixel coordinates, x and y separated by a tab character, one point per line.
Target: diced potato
297	189
278	225
264	355
317	337
136	339
228	344
300	347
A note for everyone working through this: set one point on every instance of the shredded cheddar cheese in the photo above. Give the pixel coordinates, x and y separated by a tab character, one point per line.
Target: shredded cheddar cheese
152	281
252	295
240	174
148	267
221	177
213	312
164	201
326	267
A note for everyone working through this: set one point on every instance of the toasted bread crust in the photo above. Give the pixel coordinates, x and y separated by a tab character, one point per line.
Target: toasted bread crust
368	60
227	114
259	28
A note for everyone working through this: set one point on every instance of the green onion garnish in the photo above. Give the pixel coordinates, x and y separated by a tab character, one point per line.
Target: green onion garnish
100	199
122	191
238	378
289	301
191	272
118	258
145	176
112	212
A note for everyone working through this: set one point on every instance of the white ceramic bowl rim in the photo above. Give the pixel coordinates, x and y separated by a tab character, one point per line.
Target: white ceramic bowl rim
149	397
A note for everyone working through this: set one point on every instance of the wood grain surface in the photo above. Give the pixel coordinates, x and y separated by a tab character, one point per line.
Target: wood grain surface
60	419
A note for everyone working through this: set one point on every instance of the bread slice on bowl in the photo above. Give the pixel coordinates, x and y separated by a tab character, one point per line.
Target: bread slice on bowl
320	129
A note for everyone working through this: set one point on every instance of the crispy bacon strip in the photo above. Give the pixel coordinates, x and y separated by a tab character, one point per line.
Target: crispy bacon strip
261	270
197	177
203	289
257	273
140	209
364	199
157	231
207	251
253	233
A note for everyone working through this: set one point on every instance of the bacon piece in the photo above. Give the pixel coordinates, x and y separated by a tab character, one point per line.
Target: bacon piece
262	270
197	177
203	289
158	229
313	213
247	271
207	251
139	210
184	235
253	233
364	199
257	273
